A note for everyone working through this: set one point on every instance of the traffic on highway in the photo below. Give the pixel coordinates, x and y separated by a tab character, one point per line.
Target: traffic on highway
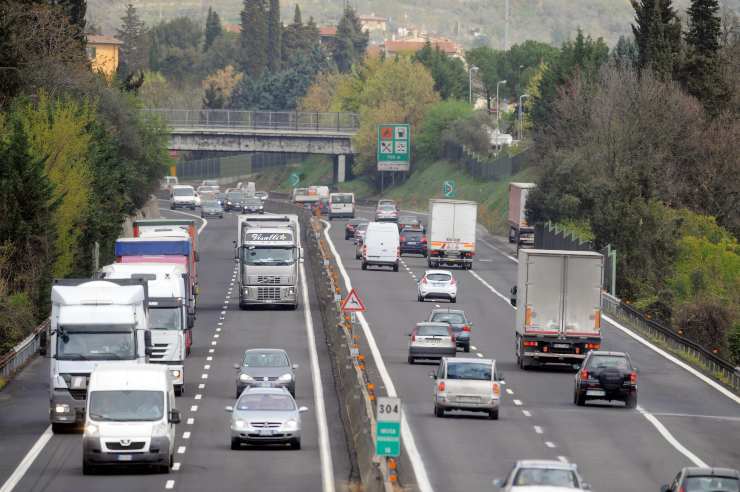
198	360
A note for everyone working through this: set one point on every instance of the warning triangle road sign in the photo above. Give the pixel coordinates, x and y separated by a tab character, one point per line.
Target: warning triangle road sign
352	303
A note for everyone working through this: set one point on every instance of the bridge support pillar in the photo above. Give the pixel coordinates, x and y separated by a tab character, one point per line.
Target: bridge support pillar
341	168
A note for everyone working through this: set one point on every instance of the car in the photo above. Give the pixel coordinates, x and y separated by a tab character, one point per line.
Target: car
692	479
467	384
265	416
360	232
380	247
456	318
234	200
183	196
220	197
606	376
253	205
411	221
262	195
263	368
386	213
341	205
413	241
431	341
349	229
209	182
542	475
211	208
437	284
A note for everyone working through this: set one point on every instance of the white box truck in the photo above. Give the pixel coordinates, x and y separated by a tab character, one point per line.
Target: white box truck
93	323
520	232
558	299
451	232
168	315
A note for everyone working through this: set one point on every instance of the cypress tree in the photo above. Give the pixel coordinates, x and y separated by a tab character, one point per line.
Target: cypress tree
132	33
292	36
274	38
700	72
253	39
213	28
657	32
351	41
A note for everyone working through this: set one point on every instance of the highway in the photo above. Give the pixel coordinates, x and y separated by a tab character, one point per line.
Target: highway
204	460
616	449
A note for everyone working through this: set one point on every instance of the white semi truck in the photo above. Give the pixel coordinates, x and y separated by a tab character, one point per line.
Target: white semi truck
558	299
167	312
451	232
93	322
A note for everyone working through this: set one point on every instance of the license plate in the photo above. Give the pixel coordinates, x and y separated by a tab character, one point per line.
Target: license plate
468	399
265	384
266	432
124	457
411	243
561	345
595	393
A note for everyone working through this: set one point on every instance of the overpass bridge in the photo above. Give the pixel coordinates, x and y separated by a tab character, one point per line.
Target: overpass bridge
219	130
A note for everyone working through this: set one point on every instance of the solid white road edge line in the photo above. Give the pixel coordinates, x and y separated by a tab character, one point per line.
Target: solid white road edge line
671	440
327	466
422	479
490	287
27	461
200	229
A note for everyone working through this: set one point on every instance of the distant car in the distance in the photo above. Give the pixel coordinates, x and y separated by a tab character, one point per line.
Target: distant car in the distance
386	212
437	284
456	318
253	205
467	384
542	476
211	208
262	195
265	368
606	376
694	479
410	221
431	341
413	241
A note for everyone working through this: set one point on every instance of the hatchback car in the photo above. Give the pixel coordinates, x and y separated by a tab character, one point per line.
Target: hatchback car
386	212
211	208
265	416
413	241
549	475
265	368
431	341
461	327
692	479
471	385
437	284
253	205
349	229
606	376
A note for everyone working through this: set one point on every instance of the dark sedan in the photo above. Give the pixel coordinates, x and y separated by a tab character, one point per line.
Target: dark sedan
349	229
606	376
413	241
211	208
234	201
253	206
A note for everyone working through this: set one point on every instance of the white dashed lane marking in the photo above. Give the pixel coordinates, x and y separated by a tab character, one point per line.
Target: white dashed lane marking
479	354
562	459
181	449
176	466
538	429
186	435
170	484
206	367
198	397
510	391
201	386
204	376
518	403
526	413
550	444
194	408
191	421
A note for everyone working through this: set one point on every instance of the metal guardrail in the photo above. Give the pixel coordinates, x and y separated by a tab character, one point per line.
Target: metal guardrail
709	362
14	360
259	120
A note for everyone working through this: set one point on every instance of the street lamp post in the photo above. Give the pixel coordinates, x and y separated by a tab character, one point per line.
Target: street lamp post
473	68
498	106
521	125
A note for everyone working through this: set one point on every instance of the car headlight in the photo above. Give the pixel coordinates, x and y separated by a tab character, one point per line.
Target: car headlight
240	424
291	424
245	378
160	429
92	430
291	291
286	378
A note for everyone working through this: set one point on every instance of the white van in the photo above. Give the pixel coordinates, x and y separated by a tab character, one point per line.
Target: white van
130	417
381	245
183	196
342	205
168	182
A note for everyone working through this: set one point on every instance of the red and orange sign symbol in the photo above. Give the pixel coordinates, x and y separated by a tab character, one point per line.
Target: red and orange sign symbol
386	132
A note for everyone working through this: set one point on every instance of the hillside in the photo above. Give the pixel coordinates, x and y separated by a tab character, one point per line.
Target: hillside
550	21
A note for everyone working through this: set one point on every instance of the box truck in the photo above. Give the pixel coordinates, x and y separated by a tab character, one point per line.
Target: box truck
451	232
520	232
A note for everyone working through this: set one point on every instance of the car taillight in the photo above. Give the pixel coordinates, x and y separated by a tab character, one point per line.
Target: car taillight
413	336
364	250
423	239
441	386
633	377
593	346
466	328
423	280
530	344
584	374
402	238
496	389
453	281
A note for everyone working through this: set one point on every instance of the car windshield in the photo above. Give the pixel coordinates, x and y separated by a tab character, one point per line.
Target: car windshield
432	331
126	405
234	195
165	318
96	343
452	318
263	256
545	476
469	370
439	277
341	199
265	359
263	401
182	192
711	484
608	362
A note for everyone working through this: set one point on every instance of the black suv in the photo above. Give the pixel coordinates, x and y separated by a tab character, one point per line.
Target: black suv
606	376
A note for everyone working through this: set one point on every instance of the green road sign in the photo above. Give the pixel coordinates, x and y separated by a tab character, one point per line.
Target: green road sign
388	438
394	147
449	189
294	179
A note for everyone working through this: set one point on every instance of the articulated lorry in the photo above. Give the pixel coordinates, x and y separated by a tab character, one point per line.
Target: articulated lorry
93	322
268	255
520	232
167	312
161	228
558	299
451	233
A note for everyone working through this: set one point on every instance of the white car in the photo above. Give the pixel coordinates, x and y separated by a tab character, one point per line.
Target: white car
437	284
542	476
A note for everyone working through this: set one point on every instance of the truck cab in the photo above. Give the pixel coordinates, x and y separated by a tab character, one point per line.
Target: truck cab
93	323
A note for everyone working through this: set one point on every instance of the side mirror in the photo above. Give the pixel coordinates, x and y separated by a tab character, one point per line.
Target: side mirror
432	375
229	409
237	366
498	483
665	488
300	253
303	410
512	299
637	370
174	417
295	366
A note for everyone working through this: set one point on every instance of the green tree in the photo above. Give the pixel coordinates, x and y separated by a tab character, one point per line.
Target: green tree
254	38
133	35
274	37
701	70
438	119
213	28
293	35
657	32
625	53
450	77
175	49
351	42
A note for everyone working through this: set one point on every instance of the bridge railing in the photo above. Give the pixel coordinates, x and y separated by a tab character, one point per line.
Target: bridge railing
259	120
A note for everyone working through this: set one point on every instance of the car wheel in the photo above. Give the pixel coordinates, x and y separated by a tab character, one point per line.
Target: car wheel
438	411
580	398
631	401
346	237
411	360
453	300
364	265
429	263
420	298
235	444
493	414
466	348
295	443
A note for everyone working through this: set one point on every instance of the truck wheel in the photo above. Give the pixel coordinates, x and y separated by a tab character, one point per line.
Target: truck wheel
364	265
410	360
420	298
631	401
58	428
179	390
466	348
453	300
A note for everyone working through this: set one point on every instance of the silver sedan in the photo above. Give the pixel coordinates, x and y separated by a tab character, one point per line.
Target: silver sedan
265	416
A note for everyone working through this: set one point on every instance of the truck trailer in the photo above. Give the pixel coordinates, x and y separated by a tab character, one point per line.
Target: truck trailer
451	233
520	232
